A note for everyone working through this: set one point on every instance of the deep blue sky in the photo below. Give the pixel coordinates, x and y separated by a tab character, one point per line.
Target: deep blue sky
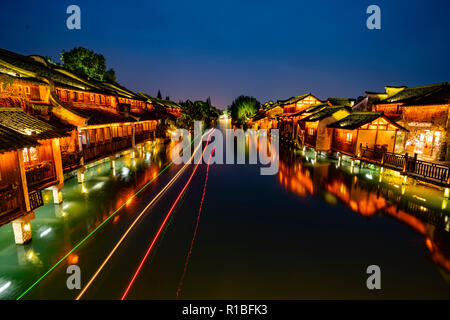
268	49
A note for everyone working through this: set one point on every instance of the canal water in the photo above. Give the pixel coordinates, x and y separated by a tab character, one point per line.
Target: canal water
308	232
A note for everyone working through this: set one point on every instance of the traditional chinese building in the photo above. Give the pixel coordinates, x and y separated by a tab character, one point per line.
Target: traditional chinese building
368	129
315	132
424	111
72	120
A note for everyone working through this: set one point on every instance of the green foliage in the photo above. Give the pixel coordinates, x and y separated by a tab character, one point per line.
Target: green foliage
110	76
197	111
243	107
84	61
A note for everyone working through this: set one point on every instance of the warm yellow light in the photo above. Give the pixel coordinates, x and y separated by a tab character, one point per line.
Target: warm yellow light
27	227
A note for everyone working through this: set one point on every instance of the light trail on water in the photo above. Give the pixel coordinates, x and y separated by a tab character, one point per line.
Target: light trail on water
169	184
163	224
180	285
98	227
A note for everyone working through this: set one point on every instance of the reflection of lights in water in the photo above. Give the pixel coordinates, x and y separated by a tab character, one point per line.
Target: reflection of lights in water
30	255
83	188
65	207
98	185
125	171
5	286
397	186
444	206
447	224
369	176
419	198
73	259
27	227
114	172
147	155
45	232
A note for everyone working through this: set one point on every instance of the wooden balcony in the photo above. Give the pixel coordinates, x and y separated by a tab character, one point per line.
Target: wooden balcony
71	160
10	200
41	174
101	150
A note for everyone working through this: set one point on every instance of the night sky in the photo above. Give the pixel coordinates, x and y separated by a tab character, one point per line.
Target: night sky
268	49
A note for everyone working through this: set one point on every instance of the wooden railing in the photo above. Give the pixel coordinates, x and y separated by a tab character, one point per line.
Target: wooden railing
95	151
71	160
408	165
40	173
35	199
143	136
9	199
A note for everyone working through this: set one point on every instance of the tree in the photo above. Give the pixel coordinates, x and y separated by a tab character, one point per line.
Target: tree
197	111
243	107
110	76
159	95
84	61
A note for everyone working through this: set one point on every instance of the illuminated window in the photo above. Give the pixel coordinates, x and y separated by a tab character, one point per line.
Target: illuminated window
92	97
27	90
349	137
311	131
19	88
30	154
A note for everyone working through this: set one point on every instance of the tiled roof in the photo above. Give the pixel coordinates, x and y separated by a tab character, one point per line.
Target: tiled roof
322	114
341	101
293	99
58	74
17	120
355	120
436	97
101	115
12	140
413	92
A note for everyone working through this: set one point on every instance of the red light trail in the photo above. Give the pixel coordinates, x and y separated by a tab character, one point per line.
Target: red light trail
180	285
152	244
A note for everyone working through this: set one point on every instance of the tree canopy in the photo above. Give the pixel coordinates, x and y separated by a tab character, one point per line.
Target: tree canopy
87	62
243	107
196	111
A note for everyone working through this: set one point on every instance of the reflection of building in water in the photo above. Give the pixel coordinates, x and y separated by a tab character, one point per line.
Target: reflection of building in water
369	197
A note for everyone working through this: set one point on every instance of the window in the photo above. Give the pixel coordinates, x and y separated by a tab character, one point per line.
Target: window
30	154
92	98
349	137
27	90
311	131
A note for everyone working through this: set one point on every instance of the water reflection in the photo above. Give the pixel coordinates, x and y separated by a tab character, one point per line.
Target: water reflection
369	192
58	228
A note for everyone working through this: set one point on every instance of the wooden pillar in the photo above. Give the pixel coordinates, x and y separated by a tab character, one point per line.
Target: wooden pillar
23	179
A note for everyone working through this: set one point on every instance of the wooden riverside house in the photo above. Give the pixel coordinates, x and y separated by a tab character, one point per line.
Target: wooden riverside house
315	132
265	118
424	111
72	119
293	107
368	129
